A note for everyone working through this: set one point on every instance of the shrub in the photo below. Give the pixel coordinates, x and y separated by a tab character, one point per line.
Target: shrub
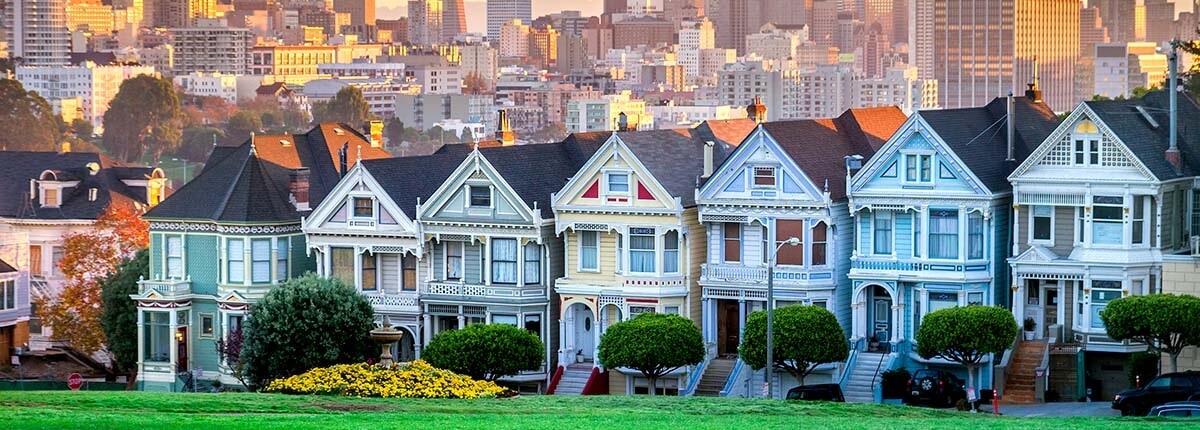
406	380
1143	364
894	382
805	337
485	351
653	344
304	323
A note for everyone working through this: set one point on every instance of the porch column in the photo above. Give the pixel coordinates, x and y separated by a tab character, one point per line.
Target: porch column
859	312
898	318
174	343
741	317
141	344
595	342
707	321
461	321
427	329
327	261
563	344
1018	293
486	249
1016	239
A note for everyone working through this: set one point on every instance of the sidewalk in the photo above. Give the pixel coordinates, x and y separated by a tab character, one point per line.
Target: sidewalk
1063	409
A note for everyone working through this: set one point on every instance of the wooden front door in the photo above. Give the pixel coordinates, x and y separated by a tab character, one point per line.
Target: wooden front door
728	327
181	349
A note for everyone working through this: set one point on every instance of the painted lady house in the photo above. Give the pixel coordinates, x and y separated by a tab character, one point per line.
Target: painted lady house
225	239
932	215
786	180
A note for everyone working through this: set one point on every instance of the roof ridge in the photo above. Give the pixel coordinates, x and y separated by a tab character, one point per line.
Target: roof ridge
228	192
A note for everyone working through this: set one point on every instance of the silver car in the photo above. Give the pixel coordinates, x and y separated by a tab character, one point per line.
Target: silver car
1189	409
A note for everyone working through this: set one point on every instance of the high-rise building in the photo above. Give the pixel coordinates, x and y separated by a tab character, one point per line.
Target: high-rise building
982	49
362	12
733	20
612	7
543	47
693	37
209	47
1121	67
95	85
786	12
502	11
425	22
37	32
1125	19
514	39
823	25
454	19
183	13
1160	20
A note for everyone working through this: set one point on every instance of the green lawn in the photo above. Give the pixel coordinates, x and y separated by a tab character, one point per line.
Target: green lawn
125	410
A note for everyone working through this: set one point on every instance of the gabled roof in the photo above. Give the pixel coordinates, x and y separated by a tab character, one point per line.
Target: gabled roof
249	182
979	138
675	158
731	131
1149	142
18	168
819	146
409	179
537	171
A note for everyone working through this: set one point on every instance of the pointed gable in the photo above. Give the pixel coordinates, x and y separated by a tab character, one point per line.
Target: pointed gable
407	180
241	187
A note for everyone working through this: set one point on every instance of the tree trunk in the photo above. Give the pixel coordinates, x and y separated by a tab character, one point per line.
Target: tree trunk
1174	362
653	385
971	380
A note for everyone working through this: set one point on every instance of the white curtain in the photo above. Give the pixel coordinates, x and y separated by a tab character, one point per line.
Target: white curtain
588	250
260	256
281	259
504	261
671	252
236	260
943	234
174	257
454	260
533	264
641	253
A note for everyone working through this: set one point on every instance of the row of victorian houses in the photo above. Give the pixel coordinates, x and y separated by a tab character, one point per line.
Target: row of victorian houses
895	217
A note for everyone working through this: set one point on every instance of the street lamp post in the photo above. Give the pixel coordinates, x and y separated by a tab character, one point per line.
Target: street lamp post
791	241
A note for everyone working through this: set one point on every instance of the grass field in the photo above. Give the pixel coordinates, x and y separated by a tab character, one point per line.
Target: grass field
125	410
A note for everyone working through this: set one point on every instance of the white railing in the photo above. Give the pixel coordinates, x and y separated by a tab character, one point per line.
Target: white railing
166	287
394	302
474	290
672	281
737	273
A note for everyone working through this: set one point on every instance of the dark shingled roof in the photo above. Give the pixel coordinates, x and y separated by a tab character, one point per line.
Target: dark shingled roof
409	179
18	168
979	137
6	268
818	146
675	158
537	171
1148	142
249	182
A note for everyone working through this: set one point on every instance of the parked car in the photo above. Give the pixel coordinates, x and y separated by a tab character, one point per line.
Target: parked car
935	388
823	392
1170	387
1177	410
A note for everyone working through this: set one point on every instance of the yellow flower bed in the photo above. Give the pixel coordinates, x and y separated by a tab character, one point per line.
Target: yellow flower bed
408	380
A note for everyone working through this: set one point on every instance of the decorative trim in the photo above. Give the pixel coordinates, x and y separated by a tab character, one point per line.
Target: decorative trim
225	229
227	306
163	304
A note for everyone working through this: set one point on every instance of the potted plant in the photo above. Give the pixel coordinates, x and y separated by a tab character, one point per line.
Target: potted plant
873	344
1030	325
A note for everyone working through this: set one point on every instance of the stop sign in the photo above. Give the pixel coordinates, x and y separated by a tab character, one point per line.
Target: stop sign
75	381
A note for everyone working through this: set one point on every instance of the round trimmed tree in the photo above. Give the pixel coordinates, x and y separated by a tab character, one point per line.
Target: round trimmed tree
653	344
805	337
965	335
1166	323
485	351
304	323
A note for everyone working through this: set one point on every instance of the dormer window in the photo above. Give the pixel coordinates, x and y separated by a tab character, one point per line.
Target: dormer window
617	183
50	197
918	169
481	196
764	177
1086	144
364	207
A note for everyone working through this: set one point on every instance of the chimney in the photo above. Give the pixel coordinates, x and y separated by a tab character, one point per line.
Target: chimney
1172	153
65	148
708	158
342	158
375	133
504	132
1034	94
1010	125
622	122
757	111
298	188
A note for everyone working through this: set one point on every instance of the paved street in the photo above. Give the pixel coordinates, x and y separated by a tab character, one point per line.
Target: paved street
1073	409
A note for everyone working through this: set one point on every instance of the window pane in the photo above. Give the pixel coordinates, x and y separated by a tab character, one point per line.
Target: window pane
910	168
342	262
943	234
174	257
641	253
818	244
260	256
236	257
368	271
408	263
787	254
454	260
733	241
671	253
281	259
156	336
618	183
504	261
926	167
764	176
533	263
975	235
588	250
883	232
362	207
481	196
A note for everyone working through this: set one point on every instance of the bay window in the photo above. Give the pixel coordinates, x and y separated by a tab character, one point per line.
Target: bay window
975	235
1103	292
641	250
369	271
787	254
260	261
156	336
174	257
533	264
732	234
281	258
8	294
235	261
454	260
1139	220
882	232
341	261
819	243
671	252
1107	226
942	300
943	234
1043	223
589	250
504	261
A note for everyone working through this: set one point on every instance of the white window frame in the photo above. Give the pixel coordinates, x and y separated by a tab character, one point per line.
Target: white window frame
1142	202
582	267
1119	221
283	258
666	251
654	250
168	257
1032	216
471	194
983	236
754	176
875	219
267	259
608	174
230	260
925	161
446	259
1091	147
354	207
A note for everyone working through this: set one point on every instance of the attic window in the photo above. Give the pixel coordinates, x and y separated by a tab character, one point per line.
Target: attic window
764	176
338	131
481	196
364	207
50	197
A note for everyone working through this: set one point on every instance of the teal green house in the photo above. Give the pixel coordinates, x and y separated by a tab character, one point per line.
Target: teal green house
224	240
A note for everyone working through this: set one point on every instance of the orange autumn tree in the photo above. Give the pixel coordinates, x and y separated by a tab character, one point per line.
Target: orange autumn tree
88	258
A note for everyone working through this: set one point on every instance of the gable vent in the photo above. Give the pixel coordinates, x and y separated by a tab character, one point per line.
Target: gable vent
92	194
1146	116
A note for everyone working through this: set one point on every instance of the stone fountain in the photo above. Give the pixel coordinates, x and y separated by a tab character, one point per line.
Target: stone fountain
385	336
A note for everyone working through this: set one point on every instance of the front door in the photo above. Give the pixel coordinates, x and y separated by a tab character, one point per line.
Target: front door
1050	309
881	316
728	327
585	340
181	349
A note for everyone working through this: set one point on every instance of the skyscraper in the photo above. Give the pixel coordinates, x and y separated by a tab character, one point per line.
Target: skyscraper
37	32
502	11
1125	19
454	19
1160	20
425	22
733	20
362	12
982	49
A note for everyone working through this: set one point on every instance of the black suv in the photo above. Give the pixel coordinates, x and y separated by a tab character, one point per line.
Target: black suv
823	392
935	388
1169	387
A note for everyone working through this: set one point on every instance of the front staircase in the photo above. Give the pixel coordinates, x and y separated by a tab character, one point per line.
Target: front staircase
1019	388
860	388
714	377
574	377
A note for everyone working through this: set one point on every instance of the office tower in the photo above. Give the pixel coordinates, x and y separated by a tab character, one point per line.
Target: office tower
982	49
1121	67
183	13
733	20
37	32
1091	31
362	12
502	11
787	12
612	7
693	37
824	23
454	19
425	22
1160	20
1125	19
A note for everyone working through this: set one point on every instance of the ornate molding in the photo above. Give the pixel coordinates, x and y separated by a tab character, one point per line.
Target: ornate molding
189	227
